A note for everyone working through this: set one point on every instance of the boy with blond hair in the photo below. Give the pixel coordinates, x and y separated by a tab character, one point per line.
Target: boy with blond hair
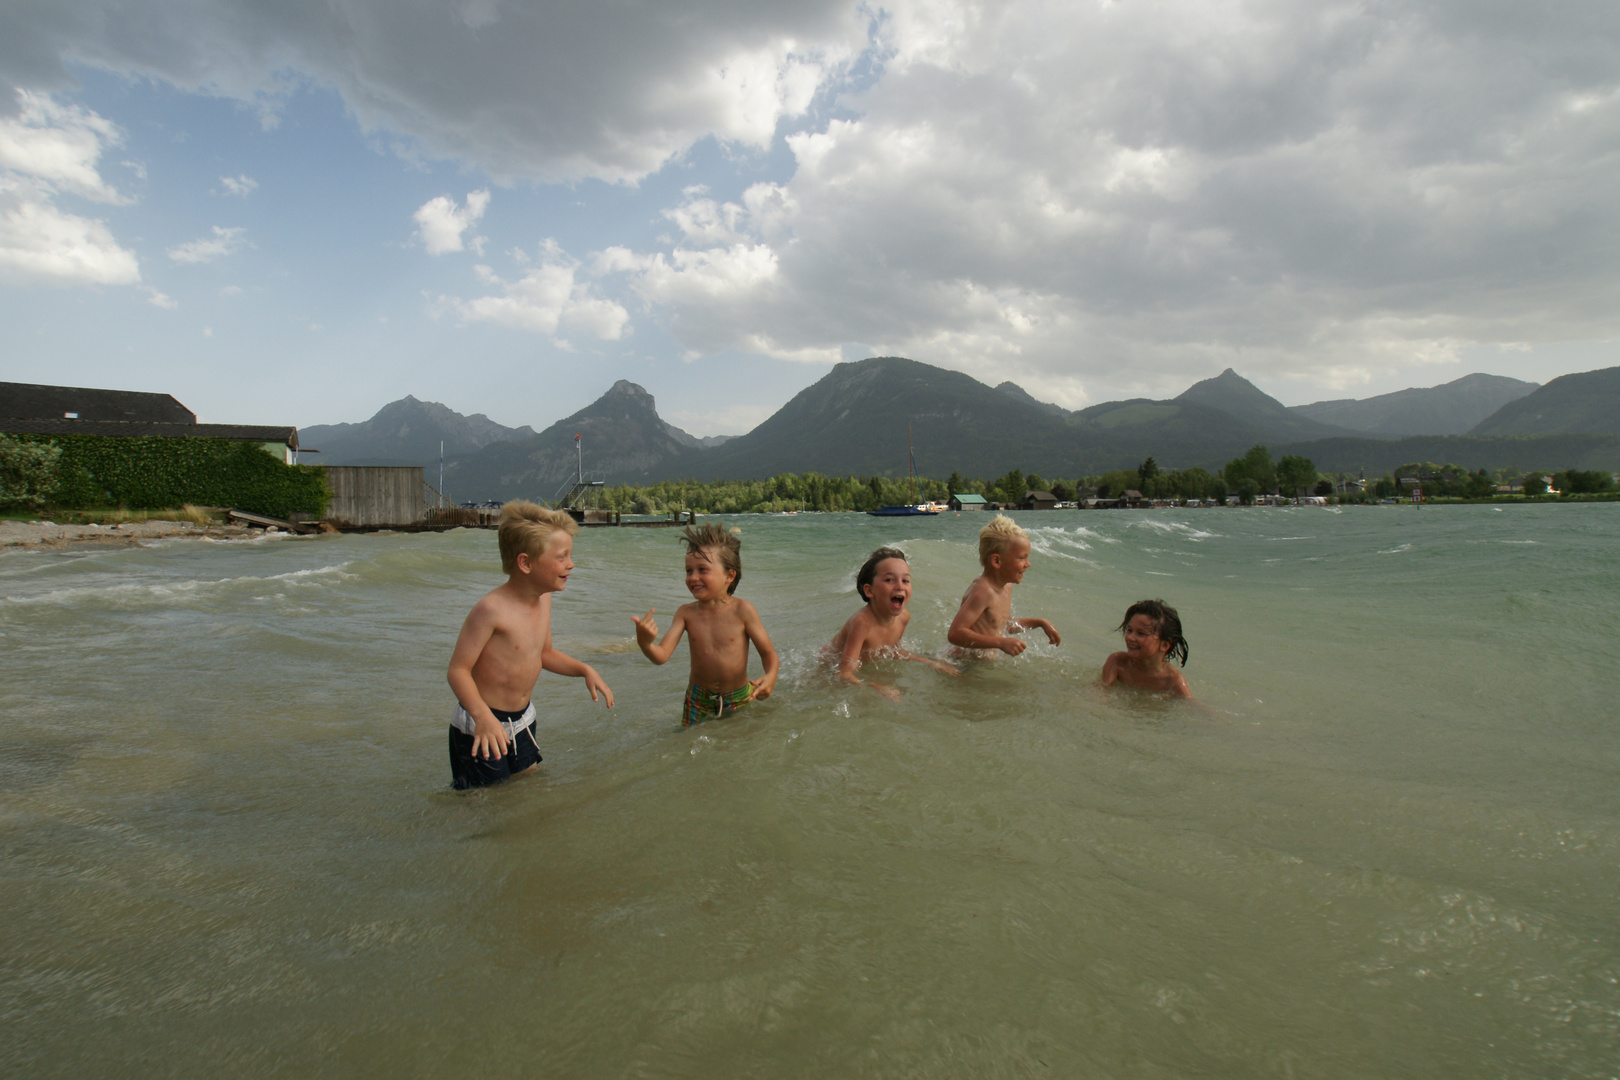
985	620
504	645
719	626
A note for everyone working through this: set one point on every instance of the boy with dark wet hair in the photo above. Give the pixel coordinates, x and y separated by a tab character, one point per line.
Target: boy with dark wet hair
884	582
1152	631
504	645
719	625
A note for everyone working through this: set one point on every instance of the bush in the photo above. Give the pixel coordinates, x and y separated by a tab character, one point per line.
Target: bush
153	472
29	473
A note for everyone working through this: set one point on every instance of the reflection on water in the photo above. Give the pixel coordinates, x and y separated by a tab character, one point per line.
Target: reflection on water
1388	849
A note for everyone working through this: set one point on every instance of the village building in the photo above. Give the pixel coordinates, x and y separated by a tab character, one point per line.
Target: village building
968	502
33	409
1039	500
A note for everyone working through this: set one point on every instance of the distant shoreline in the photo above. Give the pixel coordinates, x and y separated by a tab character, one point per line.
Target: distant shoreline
46	535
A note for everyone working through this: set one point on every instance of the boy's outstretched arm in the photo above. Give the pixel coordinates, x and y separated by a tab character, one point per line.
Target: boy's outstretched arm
489	734
937	665
962	634
1038	624
560	663
657	651
766	683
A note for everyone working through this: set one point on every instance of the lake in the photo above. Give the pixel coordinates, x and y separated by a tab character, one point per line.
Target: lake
1388	847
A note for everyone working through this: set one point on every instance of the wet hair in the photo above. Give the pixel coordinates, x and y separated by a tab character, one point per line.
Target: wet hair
868	571
525	529
726	546
1166	625
994	537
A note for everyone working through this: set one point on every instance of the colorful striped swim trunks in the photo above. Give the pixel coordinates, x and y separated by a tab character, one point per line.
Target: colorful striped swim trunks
705	704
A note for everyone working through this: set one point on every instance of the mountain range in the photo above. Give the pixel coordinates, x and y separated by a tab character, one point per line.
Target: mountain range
860	418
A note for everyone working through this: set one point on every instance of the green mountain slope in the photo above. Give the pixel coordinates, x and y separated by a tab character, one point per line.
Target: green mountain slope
1585	402
1377	456
625	442
1449	409
1236	396
405	432
853	422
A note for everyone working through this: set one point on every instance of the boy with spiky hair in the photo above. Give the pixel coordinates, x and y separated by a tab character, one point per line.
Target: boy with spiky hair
719	626
505	644
984	621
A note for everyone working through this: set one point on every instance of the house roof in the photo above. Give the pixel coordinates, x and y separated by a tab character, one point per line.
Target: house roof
1041	496
968	498
1132	493
130	429
34	401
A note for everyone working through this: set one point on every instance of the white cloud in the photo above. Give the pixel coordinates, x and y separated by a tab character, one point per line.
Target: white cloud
221	242
1140	195
162	300
41	243
242	185
536	90
58	145
547	299
47	149
440	222
1074	196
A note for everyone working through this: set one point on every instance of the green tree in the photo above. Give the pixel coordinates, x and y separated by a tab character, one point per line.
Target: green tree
1323	487
1480	485
1146	473
1247	489
955	485
1294	474
1535	484
1255	465
1013	486
1034	482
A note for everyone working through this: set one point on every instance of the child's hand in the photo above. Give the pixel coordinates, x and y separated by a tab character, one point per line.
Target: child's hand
945	668
762	687
646	628
1051	633
489	739
1012	646
593	683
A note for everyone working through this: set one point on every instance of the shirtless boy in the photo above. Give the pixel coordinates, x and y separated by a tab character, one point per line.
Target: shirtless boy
504	645
884	582
1152	636
984	621
719	626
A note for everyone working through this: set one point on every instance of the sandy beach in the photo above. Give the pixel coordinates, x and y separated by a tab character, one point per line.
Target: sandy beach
48	534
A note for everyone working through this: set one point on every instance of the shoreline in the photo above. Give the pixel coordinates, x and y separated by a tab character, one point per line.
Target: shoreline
45	535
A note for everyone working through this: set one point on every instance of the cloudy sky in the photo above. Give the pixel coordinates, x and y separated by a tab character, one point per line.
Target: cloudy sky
295	211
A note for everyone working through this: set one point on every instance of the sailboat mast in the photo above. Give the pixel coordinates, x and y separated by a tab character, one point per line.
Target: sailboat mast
911	461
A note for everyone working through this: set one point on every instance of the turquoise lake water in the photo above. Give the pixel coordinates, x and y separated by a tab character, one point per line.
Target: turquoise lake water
1387	848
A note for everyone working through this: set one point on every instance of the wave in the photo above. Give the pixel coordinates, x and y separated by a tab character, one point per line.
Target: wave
128	594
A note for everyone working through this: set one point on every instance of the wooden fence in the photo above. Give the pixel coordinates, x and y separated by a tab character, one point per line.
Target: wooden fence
376	495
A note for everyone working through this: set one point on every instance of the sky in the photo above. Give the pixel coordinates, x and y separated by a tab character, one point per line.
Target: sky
297	211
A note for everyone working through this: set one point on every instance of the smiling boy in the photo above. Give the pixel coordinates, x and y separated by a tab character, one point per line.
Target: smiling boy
504	645
719	626
984	621
884	582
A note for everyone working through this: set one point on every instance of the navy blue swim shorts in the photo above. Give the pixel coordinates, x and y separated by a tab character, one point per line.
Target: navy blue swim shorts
467	771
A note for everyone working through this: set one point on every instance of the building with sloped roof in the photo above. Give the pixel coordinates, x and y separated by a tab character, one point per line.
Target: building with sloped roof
35	409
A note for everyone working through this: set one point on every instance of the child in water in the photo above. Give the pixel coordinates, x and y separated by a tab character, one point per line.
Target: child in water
1152	634
985	620
720	627
884	582
505	644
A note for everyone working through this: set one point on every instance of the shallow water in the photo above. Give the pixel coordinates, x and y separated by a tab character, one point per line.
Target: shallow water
1389	848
